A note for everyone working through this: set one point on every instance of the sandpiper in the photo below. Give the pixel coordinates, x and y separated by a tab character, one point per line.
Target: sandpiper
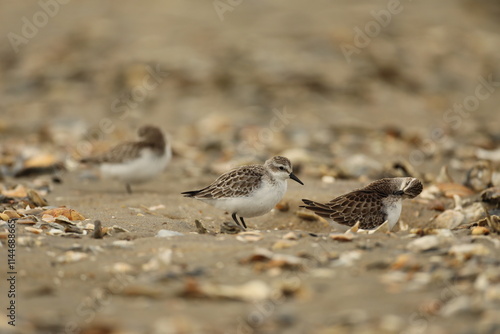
372	205
248	191
135	162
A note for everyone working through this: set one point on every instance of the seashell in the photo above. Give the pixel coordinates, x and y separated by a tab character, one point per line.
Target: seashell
4	217
40	160
18	191
474	212
347	259
464	252
250	236
491	195
306	215
424	231
48	218
168	234
328	179
63	220
407	262
492	221
71	256
342	237
252	291
383	228
291	236
36	199
479	177
162	259
121	268
29	242
451	189
10	214
354	228
282	244
274	260
122	244
483	154
55	232
26	221
283	206
63	211
449	219
480	230
431	192
33	230
424	243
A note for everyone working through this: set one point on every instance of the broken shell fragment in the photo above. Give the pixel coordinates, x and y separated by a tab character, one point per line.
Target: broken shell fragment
449	219
36	199
342	237
252	291
63	211
306	215
466	251
424	243
71	256
480	230
291	236
251	236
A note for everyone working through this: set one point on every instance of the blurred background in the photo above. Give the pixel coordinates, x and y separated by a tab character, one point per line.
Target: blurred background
382	80
352	90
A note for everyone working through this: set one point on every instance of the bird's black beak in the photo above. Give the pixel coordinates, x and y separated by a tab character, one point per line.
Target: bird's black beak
295	178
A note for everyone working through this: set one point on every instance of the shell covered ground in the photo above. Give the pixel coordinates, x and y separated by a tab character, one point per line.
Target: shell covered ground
349	91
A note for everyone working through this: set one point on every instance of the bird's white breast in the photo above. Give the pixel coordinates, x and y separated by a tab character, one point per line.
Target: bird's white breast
259	202
393	211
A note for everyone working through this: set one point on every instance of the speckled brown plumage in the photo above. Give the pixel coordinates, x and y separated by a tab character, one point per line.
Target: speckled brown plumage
239	182
367	205
151	137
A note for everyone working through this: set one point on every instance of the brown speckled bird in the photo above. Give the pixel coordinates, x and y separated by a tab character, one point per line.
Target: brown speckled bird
372	205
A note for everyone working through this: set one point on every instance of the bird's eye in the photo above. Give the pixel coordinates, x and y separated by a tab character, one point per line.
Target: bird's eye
281	168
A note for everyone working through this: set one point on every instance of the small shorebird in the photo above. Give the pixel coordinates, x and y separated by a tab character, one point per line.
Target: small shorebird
135	162
248	191
372	205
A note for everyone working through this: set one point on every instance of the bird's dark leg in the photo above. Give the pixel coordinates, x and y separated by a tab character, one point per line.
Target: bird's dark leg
129	189
236	220
243	222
